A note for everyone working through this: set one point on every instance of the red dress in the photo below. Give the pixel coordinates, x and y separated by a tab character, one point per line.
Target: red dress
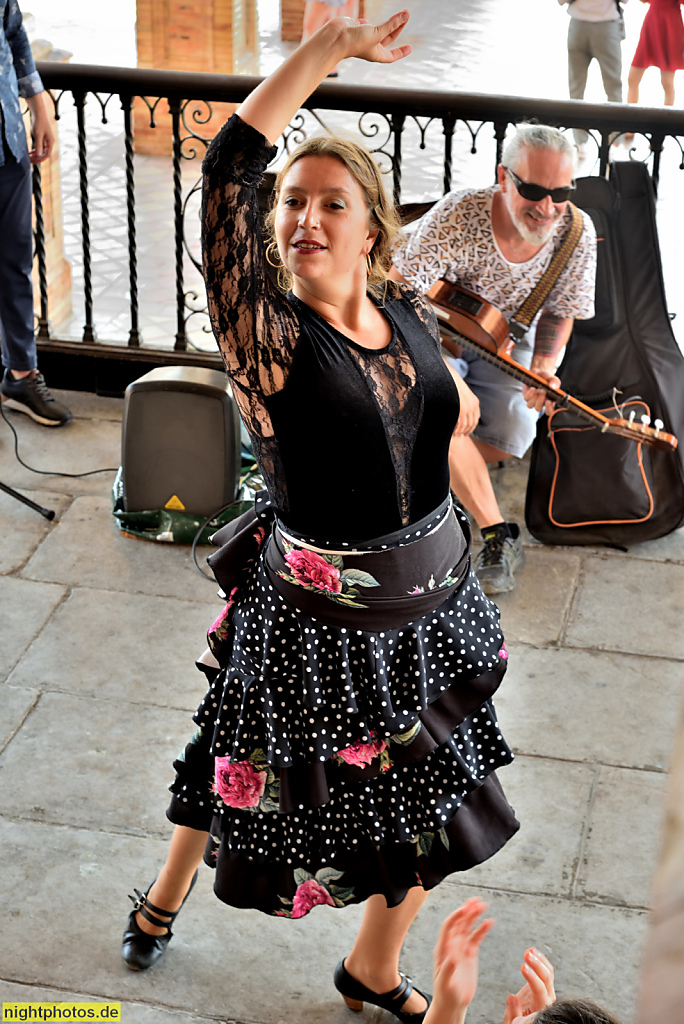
661	43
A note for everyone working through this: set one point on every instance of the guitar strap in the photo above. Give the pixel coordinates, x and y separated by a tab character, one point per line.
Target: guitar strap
520	323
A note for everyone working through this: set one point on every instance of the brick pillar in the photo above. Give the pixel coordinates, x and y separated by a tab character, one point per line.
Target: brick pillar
218	36
292	16
57	268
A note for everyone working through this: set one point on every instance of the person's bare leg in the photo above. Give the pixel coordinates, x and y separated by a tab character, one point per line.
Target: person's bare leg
667	81
374	958
173	881
470	481
633	83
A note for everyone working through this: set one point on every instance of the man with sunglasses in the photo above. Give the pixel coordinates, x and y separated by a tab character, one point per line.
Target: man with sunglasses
498	242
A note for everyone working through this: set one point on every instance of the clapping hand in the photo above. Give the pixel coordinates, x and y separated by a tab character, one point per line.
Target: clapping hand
536	993
456	963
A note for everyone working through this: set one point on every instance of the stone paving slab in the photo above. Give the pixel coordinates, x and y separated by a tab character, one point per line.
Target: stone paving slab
633	607
25	608
220	958
624	838
131	647
15	704
96	764
80	446
85	405
662	549
528	862
87	550
535	612
582	706
23	528
222	962
660	995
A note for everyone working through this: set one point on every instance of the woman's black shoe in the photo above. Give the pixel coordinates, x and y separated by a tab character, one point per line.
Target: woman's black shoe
355	995
138	949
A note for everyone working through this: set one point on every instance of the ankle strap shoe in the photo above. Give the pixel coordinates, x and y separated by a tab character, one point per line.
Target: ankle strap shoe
138	949
355	995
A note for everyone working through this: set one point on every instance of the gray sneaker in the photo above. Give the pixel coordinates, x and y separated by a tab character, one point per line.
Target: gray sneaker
31	395
501	555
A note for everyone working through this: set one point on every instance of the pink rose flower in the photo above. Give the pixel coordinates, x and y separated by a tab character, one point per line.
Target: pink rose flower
503	653
226	609
361	754
310	894
310	570
239	785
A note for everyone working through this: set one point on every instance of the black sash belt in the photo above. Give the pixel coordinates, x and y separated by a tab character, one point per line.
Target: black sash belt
412	571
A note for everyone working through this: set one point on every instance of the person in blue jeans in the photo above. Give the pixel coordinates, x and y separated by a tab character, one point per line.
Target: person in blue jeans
23	387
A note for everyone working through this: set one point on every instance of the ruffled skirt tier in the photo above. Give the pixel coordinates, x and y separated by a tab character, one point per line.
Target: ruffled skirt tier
332	763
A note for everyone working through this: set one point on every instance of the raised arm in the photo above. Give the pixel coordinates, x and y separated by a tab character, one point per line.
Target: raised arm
254	325
272	105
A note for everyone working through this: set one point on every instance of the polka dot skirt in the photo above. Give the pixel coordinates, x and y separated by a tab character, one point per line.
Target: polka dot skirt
332	763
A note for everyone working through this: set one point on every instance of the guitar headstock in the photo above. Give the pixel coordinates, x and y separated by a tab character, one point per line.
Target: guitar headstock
641	432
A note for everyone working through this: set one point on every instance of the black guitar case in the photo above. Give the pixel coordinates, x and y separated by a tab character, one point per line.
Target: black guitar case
587	487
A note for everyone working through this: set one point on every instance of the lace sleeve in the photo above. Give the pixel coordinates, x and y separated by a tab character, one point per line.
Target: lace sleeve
254	325
424	311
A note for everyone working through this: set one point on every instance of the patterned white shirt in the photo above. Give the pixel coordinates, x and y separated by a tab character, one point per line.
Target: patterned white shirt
455	241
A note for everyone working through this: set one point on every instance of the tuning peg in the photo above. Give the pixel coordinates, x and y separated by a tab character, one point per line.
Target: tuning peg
658	424
631	417
645	420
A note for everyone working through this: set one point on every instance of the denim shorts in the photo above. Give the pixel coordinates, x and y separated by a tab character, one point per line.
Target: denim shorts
505	421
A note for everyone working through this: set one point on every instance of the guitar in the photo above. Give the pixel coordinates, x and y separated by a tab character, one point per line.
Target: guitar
480	327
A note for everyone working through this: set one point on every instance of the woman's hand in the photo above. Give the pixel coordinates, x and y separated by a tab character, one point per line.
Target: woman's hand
277	99
536	993
469	410
456	961
374	42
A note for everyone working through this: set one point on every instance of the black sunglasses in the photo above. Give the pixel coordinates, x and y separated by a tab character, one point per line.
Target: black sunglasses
535	193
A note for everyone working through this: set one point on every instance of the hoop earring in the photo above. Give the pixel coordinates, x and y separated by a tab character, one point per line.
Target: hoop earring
369	265
268	258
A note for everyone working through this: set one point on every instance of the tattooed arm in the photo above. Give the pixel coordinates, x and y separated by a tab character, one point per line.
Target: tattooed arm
551	336
550	339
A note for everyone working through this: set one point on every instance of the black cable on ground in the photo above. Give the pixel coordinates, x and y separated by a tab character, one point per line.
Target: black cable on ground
48	472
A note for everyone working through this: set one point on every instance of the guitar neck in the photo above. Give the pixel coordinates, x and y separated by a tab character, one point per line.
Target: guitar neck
557	395
477	325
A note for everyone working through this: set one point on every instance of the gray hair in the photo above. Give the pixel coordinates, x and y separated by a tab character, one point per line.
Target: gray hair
537	136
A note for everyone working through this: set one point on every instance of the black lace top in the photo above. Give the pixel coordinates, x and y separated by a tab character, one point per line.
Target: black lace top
352	442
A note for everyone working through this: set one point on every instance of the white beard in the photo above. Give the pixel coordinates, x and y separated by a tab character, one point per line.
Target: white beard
528	235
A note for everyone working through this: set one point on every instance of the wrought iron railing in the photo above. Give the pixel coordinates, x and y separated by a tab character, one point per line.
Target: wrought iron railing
406	129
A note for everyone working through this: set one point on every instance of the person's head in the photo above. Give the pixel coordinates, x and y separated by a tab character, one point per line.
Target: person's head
540	156
330	209
571	1011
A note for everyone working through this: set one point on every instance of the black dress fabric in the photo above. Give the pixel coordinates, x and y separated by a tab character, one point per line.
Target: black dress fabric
333	760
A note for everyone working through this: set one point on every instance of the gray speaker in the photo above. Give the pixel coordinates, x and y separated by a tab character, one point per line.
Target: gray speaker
180	441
